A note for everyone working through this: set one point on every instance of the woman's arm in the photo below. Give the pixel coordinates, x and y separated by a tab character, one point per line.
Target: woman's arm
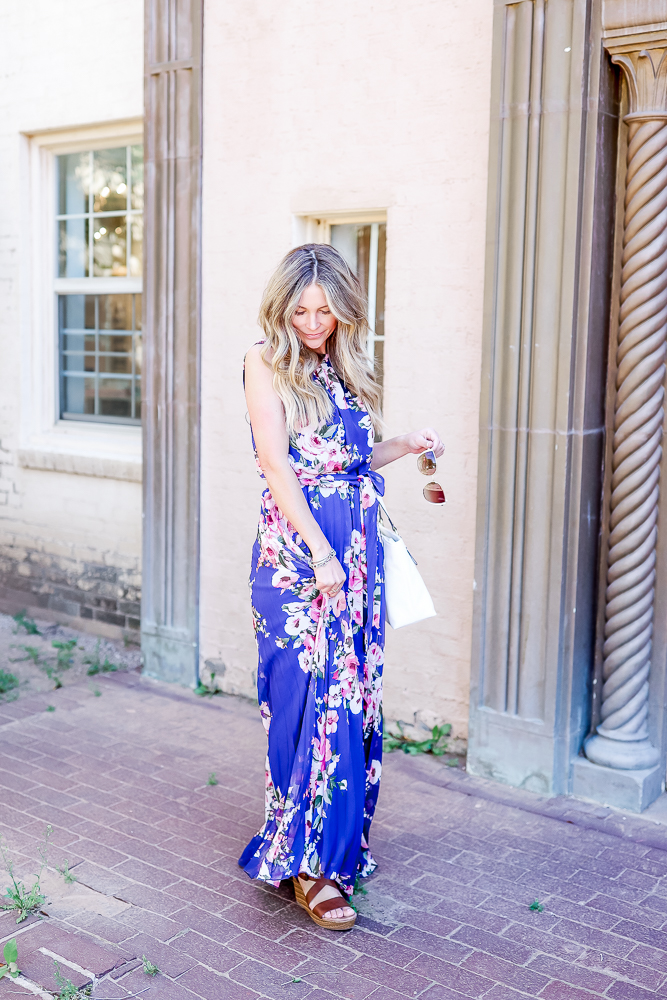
414	443
267	417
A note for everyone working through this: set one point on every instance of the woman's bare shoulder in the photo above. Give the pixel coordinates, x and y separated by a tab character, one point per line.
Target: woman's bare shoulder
254	355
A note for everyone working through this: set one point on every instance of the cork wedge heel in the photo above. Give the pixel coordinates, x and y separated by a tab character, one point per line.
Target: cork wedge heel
320	897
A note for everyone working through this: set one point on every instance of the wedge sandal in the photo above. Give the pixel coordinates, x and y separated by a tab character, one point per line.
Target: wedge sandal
319	897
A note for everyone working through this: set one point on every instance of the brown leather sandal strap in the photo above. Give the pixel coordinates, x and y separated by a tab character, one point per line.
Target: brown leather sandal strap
317	886
327	905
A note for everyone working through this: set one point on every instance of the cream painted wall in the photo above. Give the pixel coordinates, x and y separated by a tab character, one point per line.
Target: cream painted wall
310	109
64	63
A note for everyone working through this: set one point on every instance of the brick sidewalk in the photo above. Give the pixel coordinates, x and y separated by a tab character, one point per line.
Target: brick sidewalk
122	779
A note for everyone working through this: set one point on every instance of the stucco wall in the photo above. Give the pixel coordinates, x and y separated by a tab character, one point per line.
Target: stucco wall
65	540
315	109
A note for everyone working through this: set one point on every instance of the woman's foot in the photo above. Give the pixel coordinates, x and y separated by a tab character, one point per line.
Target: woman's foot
319	898
343	912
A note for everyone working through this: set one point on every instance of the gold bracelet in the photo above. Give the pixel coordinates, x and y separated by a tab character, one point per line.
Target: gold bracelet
322	562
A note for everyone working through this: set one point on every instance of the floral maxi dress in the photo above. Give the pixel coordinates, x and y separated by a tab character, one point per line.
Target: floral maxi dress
319	678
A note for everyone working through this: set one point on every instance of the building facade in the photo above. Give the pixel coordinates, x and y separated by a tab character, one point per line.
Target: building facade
494	172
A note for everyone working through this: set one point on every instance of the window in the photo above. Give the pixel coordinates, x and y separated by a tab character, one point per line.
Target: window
364	247
100	350
362	240
99	265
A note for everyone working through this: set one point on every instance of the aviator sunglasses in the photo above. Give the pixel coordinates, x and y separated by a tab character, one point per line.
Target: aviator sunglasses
427	465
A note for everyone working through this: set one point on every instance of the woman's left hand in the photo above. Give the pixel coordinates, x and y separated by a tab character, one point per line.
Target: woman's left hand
424	440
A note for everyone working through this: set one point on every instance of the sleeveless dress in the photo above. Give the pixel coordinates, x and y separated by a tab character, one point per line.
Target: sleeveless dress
319	677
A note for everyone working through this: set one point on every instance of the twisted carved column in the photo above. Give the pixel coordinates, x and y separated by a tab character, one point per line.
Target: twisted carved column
622	739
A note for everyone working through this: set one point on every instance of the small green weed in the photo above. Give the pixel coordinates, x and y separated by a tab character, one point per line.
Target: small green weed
7	681
435	744
149	967
67	989
212	780
22	621
63	661
96	665
32	653
11	955
66	873
17	896
50	708
536	906
207	689
97	692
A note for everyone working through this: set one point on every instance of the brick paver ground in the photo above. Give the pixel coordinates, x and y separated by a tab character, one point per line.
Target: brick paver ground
122	779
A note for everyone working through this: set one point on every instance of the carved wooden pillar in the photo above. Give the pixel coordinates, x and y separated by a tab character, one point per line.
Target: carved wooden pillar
622	737
173	98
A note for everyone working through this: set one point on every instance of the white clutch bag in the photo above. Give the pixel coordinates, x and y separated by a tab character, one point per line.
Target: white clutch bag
406	596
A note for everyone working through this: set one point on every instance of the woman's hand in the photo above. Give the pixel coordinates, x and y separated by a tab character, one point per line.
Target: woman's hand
414	443
424	440
330	578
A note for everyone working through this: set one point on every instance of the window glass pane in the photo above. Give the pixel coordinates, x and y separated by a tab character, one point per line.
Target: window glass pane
116	364
110	180
115	397
344	239
137	251
73	183
138	177
97	338
116	344
379	358
382	267
115	312
110	247
79	395
73	248
78	362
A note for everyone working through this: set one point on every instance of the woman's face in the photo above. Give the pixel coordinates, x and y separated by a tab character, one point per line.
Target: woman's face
313	320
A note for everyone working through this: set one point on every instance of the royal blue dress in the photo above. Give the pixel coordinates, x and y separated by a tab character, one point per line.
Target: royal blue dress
319	679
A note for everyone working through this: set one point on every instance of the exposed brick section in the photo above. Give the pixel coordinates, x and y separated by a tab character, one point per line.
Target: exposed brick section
122	779
40	580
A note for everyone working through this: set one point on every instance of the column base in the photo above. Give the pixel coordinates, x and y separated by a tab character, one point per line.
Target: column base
169	657
627	755
632	790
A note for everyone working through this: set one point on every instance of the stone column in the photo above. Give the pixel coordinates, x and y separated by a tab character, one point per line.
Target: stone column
622	737
173	99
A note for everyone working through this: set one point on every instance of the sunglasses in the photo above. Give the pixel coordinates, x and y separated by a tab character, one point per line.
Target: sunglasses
427	465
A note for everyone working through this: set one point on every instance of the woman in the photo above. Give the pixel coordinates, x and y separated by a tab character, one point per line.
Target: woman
317	580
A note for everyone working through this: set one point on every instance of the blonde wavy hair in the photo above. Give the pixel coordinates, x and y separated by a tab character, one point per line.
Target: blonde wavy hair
305	400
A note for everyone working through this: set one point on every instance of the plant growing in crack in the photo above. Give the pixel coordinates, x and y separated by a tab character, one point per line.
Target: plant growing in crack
18	897
435	744
150	969
29	624
66	873
212	779
11	957
67	989
96	664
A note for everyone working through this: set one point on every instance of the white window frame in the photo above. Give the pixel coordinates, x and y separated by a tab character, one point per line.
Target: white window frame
316	228
45	440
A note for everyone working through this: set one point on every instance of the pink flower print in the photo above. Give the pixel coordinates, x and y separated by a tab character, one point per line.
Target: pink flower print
356	580
332	722
374	772
375	655
338	603
283	579
367	494
297	623
316	607
351	663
